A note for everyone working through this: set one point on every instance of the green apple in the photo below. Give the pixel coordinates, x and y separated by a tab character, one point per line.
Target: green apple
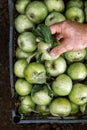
22	23
43	109
85	3
78	95
20	54
27	42
77	71
26	105
75	3
22	87
40	95
36	11
20	5
75	14
56	67
60	107
74	108
74	56
35	73
54	17
62	85
19	67
47	56
42	47
85	11
83	108
55	5
86	54
43	51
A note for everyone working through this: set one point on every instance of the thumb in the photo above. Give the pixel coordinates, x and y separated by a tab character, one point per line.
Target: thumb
56	28
58	50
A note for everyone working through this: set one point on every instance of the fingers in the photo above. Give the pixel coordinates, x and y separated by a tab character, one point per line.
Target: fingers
60	36
56	28
58	50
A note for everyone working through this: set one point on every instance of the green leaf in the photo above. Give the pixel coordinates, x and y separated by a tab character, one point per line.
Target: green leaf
43	33
46	33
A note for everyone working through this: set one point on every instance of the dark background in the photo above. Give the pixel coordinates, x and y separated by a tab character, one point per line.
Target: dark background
5	93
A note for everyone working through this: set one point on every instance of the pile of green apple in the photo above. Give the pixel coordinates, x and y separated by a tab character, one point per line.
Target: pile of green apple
43	84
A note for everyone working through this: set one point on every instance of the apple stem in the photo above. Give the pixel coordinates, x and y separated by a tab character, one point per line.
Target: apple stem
50	90
30	57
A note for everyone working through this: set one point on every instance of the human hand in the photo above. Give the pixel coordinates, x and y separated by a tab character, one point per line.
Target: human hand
72	36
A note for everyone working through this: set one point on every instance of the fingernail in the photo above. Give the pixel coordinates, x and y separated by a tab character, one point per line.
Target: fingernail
52	54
